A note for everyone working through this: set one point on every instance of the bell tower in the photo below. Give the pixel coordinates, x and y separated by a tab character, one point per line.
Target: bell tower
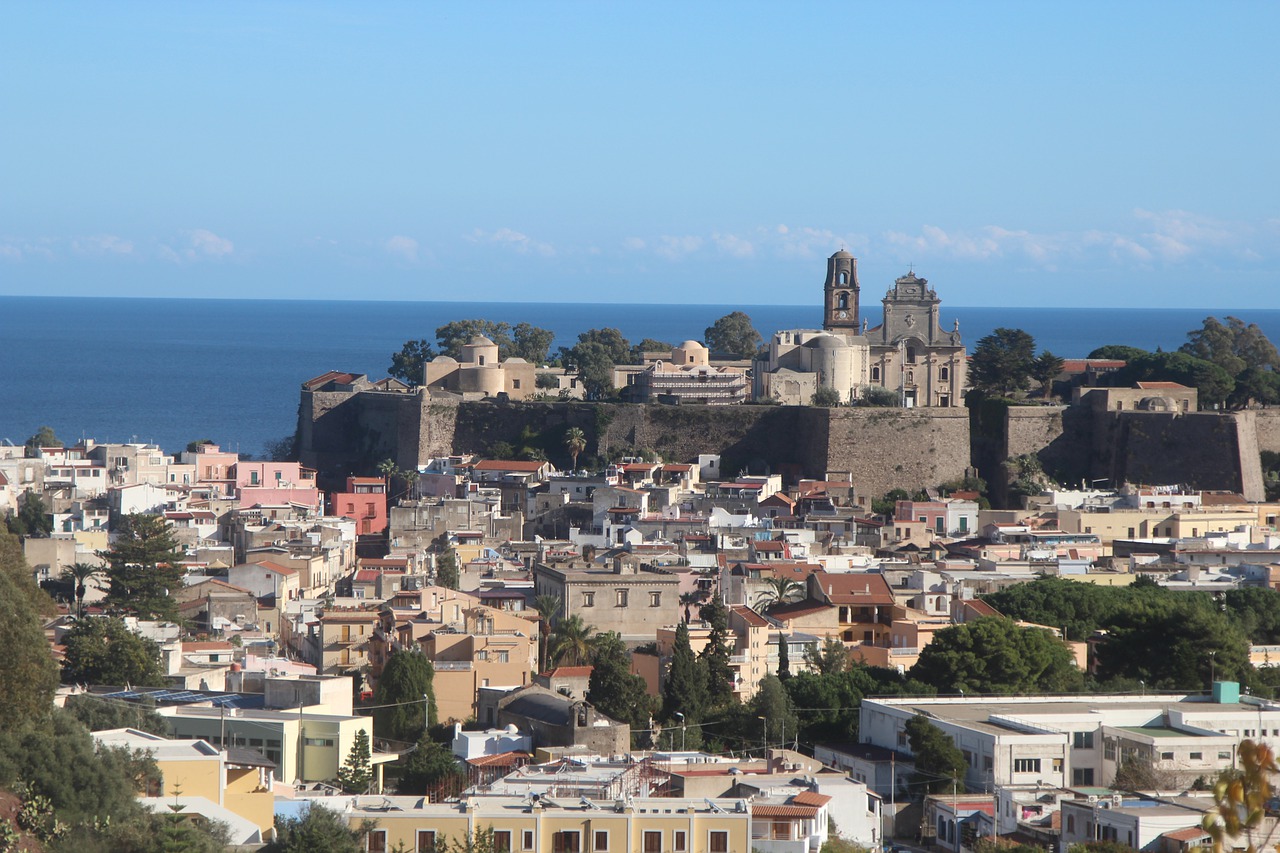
840	294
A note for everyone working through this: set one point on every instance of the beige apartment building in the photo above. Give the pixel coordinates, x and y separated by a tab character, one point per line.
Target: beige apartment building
635	601
1153	523
490	648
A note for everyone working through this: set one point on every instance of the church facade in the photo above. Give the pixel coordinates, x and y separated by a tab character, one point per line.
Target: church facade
909	353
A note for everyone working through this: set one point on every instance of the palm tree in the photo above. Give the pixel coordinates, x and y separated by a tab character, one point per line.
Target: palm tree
80	574
779	590
689	599
575	442
548	607
570	643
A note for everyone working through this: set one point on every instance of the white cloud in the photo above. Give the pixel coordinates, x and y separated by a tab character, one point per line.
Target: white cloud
21	248
673	248
513	240
403	247
205	242
102	244
633	244
732	244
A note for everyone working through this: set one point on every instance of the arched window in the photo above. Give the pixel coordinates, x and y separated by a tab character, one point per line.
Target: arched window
875	374
944	373
911	355
844	278
842	301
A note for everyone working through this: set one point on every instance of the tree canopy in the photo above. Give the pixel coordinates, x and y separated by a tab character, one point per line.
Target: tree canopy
685	688
32	518
524	340
319	829
733	334
144	567
1002	362
44	437
994	655
613	689
593	358
28	674
102	650
940	764
406	677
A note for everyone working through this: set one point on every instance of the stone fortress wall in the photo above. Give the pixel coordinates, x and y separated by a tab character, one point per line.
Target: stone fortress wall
879	449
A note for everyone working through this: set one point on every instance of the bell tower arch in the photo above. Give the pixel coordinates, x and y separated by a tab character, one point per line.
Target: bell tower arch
840	294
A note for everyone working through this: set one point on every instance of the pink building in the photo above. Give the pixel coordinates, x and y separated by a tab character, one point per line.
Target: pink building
276	484
364	502
932	513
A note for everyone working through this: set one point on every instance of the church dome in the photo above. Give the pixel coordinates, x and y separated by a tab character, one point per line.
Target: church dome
841	254
826	342
480	341
688	345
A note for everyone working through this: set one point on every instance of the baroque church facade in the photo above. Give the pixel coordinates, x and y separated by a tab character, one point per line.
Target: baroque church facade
909	353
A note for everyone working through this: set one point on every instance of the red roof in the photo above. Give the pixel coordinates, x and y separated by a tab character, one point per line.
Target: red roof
206	647
332	376
1191	833
752	618
274	567
784	811
502	759
856	588
568	672
810	798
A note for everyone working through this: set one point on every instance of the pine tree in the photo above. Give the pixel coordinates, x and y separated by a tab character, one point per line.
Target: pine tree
715	656
429	764
356	776
144	567
685	689
784	658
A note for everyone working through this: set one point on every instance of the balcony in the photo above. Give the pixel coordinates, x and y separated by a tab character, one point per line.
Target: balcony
453	665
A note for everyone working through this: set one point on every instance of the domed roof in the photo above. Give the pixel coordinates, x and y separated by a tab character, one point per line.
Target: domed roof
842	254
826	342
481	341
691	345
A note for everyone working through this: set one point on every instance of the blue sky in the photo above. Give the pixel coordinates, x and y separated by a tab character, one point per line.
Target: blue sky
1014	153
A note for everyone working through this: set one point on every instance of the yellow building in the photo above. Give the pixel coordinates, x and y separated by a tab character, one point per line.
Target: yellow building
1148	524
565	825
236	780
488	648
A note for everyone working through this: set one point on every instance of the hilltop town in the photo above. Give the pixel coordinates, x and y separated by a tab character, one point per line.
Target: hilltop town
853	588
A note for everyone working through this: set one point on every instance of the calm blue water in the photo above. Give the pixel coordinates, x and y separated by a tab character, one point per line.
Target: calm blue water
174	370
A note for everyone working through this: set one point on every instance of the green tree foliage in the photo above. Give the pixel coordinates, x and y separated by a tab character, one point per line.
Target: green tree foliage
430	763
570	643
829	658
144	567
99	714
44	437
408	364
649	345
827	703
80	576
685	688
320	830
452	337
398	713
102	650
879	396
1244	353
1002	362
32	518
994	655
614	690
531	343
356	775
733	334
784	658
1117	352
888	505
825	397
575	441
1214	383
28	674
447	568
593	358
1043	370
1175	644
548	608
779	590
939	762
714	657
479	841
773	702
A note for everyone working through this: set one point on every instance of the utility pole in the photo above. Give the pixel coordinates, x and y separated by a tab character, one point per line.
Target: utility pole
426	713
764	736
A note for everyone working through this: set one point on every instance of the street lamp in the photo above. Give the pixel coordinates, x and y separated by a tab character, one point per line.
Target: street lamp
682	731
764	736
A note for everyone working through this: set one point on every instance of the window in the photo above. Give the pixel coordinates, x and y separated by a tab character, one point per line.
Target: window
1224	755
426	841
1166	756
1082	740
568	841
652	841
502	841
504	657
377	841
1197	756
1057	765
1026	765
317	741
1071	823
483	654
678	843
875	374
588	599
718	841
944	373
601	842
622	598
902	738
1082	776
515	384
253	481
911	355
655	599
526	839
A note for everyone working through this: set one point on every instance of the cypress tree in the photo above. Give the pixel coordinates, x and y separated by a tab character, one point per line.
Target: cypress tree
685	689
715	657
406	676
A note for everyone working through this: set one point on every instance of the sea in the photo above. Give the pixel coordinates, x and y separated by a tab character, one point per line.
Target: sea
171	371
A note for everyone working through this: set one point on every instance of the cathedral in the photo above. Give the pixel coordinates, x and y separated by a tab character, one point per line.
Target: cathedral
909	353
